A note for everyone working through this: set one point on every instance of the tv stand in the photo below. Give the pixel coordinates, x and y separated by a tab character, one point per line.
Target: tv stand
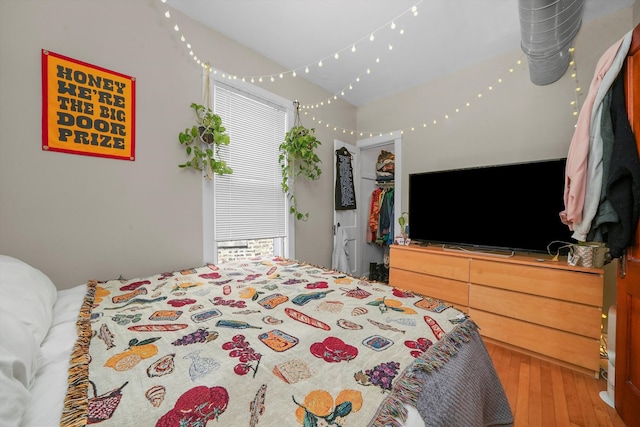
548	309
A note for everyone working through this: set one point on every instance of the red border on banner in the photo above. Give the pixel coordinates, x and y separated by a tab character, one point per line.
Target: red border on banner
114	137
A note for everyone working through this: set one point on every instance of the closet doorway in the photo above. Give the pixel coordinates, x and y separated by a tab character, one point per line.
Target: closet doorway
352	225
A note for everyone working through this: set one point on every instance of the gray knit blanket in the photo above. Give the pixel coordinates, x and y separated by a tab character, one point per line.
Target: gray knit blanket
454	385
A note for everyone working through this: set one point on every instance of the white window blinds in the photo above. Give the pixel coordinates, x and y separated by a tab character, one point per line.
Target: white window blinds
249	203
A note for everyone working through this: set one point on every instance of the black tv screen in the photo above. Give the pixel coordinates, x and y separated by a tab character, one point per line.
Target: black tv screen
513	207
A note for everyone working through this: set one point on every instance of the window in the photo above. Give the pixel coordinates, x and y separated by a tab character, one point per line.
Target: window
246	212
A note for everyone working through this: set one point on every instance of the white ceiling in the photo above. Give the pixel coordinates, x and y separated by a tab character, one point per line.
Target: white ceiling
445	36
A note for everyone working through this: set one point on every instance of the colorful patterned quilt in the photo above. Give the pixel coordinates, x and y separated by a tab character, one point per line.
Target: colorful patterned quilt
263	342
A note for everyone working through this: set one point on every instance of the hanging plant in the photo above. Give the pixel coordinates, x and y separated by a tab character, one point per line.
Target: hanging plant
298	158
202	143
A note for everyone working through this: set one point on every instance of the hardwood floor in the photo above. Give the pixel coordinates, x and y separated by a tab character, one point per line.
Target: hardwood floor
544	394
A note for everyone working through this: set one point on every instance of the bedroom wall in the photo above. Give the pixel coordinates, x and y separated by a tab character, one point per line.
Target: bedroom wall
79	217
517	121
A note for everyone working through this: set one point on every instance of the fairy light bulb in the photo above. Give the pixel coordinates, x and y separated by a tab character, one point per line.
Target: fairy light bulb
393	25
353	48
371	37
182	39
390	47
167	14
294	73
320	64
336	56
176	28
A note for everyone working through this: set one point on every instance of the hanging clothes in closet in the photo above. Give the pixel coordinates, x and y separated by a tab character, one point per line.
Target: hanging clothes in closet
380	224
381	214
385	229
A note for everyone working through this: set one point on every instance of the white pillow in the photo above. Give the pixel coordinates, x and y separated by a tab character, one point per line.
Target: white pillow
18	365
26	294
27	297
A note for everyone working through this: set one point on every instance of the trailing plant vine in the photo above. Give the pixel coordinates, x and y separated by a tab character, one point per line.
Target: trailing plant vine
298	158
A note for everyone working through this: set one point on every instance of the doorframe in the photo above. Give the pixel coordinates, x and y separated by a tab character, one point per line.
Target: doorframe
381	140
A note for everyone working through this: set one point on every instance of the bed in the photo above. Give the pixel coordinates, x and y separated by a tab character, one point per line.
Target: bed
258	342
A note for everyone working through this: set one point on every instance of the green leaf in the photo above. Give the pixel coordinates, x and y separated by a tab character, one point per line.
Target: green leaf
342	410
145	342
310	420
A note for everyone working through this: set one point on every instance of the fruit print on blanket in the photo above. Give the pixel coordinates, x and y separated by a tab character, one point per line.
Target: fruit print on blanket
259	342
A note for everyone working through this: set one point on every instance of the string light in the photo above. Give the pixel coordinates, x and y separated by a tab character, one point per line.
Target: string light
352	47
575	103
434	121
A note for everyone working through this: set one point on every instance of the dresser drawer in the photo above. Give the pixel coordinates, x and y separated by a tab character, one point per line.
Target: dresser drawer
563	346
455	268
580	287
451	291
558	314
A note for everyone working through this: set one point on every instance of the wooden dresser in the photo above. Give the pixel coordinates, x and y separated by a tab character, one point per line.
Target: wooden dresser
548	309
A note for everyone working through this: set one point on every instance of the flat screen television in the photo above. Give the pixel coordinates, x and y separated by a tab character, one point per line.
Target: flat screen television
511	207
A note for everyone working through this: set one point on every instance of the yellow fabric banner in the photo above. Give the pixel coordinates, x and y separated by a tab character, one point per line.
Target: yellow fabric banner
86	109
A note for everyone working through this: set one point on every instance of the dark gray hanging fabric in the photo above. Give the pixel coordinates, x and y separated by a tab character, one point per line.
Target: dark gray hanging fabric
623	182
345	194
